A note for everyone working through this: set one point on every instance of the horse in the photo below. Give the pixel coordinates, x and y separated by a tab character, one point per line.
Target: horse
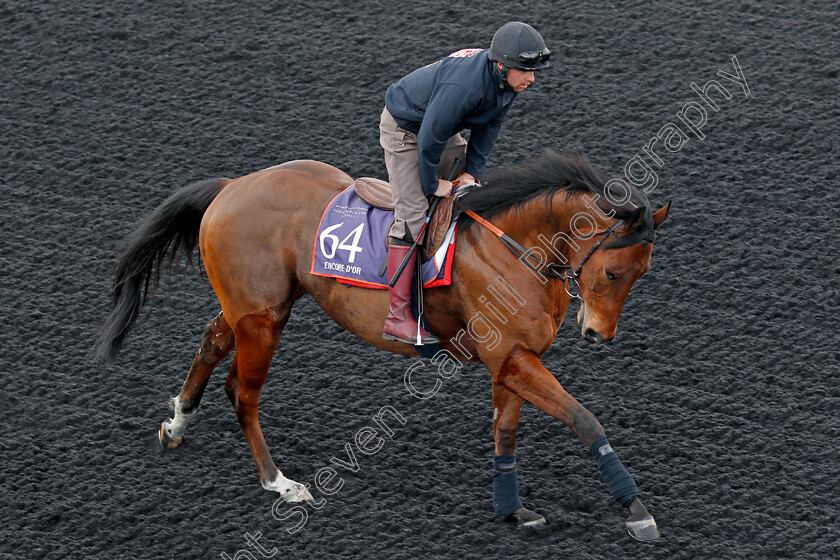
548	231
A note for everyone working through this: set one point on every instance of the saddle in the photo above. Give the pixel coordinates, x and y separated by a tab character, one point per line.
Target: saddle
377	193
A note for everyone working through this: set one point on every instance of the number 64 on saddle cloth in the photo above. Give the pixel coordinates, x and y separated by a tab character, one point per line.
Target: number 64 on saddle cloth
350	245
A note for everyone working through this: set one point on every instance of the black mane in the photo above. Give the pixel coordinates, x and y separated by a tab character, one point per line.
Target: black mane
511	189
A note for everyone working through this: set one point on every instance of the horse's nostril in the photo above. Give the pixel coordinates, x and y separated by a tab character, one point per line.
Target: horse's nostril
591	335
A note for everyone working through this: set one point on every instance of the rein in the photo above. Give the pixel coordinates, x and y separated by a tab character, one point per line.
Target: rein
552	270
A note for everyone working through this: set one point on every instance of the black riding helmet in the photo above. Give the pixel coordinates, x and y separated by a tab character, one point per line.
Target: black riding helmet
518	45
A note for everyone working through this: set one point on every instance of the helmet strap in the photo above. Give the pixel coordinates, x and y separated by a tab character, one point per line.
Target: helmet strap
502	72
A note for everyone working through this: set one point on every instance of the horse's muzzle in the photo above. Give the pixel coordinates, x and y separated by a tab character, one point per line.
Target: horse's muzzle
593	336
588	333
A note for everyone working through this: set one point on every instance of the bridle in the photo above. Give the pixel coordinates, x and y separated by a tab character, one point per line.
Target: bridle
550	270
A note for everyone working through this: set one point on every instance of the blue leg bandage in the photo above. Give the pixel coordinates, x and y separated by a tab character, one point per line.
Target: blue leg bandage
622	486
505	486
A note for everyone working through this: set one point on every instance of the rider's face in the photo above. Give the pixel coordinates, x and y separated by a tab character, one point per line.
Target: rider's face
519	79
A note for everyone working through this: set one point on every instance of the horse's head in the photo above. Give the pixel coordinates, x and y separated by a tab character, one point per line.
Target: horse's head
610	270
556	193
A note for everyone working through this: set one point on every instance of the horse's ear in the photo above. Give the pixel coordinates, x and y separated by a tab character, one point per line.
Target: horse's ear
661	215
637	219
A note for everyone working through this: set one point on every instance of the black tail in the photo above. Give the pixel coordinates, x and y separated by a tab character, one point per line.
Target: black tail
158	239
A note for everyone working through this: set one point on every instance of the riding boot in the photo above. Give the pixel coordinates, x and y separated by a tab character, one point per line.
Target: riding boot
400	324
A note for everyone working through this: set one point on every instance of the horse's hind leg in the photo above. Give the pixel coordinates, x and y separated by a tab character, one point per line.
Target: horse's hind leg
215	346
256	339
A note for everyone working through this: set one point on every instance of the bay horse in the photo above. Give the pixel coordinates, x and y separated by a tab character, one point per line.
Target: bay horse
256	234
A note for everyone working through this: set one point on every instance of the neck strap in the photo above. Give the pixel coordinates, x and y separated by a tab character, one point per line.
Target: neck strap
549	270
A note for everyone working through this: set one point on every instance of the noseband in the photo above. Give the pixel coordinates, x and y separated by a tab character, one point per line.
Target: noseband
551	270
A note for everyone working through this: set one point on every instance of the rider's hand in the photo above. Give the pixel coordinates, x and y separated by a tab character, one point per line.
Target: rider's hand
466	179
444	188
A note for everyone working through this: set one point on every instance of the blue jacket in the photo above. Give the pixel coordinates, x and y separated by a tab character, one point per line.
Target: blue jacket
461	91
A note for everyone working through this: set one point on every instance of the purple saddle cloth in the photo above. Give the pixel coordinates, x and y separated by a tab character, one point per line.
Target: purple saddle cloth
350	245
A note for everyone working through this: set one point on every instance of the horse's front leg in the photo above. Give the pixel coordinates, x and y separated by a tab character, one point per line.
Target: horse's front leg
523	374
506	500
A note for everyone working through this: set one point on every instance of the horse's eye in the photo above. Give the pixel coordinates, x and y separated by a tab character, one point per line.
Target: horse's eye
611	276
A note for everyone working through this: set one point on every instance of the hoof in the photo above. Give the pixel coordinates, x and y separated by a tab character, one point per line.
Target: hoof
290	490
299	494
526	518
165	441
644	530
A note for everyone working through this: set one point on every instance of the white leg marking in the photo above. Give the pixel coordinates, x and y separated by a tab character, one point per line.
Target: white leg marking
176	426
290	490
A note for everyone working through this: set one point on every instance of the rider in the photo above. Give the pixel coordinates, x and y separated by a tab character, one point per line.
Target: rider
420	133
